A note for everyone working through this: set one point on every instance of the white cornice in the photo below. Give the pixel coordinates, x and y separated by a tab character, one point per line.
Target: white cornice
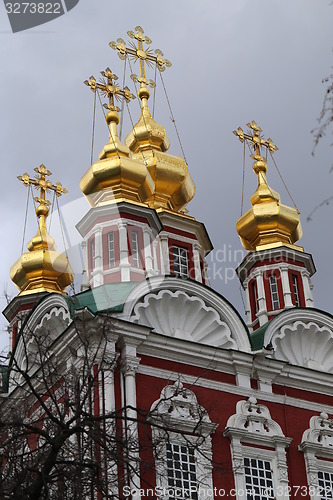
232	389
112	210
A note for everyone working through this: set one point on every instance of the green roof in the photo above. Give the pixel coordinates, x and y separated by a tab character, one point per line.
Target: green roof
111	297
257	338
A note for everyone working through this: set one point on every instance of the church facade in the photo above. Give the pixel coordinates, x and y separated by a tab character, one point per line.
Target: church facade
234	407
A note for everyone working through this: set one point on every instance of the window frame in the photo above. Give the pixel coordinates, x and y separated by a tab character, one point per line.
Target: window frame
180	274
294	281
273	293
317	447
110	265
175	421
254	434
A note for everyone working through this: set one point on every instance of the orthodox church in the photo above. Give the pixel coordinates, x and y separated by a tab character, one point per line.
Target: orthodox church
257	392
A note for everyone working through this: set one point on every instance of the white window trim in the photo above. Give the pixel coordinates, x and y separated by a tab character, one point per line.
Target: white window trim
135	248
111	251
317	445
176	251
294	281
177	412
274	293
252	424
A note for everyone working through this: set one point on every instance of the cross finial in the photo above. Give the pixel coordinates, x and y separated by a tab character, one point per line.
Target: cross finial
137	52
40	182
109	89
256	140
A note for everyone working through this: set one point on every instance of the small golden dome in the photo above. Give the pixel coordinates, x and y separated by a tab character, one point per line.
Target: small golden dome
174	187
42	268
268	223
116	176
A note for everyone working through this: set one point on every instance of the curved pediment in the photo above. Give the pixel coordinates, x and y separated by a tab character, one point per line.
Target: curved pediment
303	339
186	310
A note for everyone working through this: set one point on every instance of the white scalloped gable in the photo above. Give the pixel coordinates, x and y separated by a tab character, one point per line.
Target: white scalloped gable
302	339
202	317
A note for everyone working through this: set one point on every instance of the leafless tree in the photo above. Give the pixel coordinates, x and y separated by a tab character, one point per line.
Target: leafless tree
56	440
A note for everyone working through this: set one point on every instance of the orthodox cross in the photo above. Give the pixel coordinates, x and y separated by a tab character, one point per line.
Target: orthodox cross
109	89
255	138
41	183
138	52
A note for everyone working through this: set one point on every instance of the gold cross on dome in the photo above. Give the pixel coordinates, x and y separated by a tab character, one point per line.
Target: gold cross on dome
254	137
40	182
137	52
109	89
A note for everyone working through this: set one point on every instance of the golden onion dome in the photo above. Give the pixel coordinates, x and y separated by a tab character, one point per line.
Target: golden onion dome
42	268
268	223
116	176
174	187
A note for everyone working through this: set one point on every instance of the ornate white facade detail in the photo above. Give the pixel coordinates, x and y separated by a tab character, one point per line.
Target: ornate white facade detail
304	344
317	446
252	425
180	420
180	315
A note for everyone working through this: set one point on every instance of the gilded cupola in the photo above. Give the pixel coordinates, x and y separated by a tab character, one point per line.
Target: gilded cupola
147	141
115	176
268	223
42	268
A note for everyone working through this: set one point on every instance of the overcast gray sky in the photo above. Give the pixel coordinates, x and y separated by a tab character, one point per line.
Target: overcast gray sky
232	61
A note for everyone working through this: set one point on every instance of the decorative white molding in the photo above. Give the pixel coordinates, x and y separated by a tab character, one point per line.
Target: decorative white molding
180	315
179	419
211	300
304	344
317	446
252	424
178	409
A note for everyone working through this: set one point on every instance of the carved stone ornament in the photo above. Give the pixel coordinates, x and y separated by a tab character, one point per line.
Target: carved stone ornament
253	418
305	344
177	314
320	433
178	408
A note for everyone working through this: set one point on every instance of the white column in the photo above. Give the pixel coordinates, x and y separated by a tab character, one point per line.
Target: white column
129	368
286	287
262	306
307	287
164	249
196	262
148	253
123	250
98	268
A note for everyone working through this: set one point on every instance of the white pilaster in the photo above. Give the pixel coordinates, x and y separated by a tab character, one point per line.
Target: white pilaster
148	252
98	278
286	287
247	304
123	251
196	262
155	256
262	306
164	249
307	287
